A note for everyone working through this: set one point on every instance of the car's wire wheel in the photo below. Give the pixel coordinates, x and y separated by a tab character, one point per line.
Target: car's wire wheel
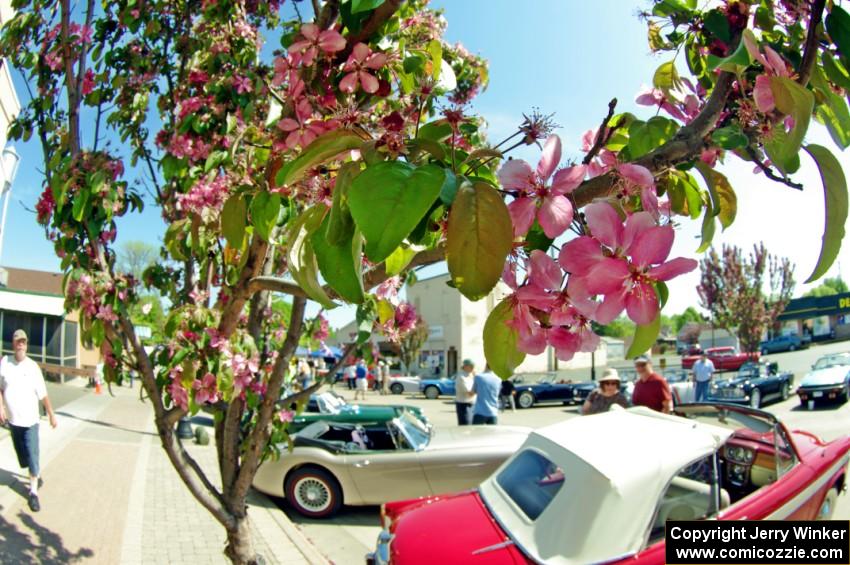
786	391
755	398
313	492
432	392
526	399
397	388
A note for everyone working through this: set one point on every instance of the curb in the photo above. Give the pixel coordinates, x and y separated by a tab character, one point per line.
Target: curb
262	503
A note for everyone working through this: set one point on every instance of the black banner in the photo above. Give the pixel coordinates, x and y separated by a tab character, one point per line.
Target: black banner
765	542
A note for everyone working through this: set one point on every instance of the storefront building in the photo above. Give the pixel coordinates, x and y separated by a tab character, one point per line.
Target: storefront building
821	317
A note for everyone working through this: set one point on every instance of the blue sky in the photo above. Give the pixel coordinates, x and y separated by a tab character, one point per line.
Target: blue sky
569	58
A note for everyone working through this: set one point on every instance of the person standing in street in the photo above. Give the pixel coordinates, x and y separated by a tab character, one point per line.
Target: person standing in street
703	371
464	397
21	387
361	378
486	387
651	389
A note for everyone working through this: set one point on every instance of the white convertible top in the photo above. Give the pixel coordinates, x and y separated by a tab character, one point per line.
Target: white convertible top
616	466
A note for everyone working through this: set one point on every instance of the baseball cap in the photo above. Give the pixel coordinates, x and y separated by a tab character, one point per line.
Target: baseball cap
19	334
468	362
642	359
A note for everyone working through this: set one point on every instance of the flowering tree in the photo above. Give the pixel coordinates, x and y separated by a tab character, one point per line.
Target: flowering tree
351	154
732	288
411	344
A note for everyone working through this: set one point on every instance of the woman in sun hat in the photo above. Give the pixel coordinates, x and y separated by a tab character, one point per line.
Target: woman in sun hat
608	394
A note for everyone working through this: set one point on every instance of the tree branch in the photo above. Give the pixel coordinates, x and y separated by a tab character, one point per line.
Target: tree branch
384	12
768	172
329	13
810	51
259	436
241	290
600	134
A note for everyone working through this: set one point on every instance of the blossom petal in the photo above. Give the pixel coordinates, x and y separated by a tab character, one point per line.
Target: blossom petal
580	255
550	158
348	82
604	223
555	216
652	246
763	94
637	174
673	268
509	274
635	224
522	212
577	288
532	341
516	174
607	276
536	297
642	303
565	342
649	200
775	62
567	180
588	340
330	41
611	307
310	31
753	49
368	82
376	61
543	271
360	52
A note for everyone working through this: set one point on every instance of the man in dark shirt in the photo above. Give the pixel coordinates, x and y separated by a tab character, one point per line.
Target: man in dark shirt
651	389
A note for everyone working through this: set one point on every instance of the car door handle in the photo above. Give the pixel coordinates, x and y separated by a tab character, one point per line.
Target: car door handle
361	464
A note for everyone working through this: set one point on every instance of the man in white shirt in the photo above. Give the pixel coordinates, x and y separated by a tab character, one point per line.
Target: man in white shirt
464	397
703	371
21	387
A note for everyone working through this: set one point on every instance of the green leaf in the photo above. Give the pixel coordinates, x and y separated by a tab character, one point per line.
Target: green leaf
265	208
838	27
835	197
324	147
708	229
798	102
365	317
399	259
832	110
233	221
98	332
302	259
500	341
730	137
415	63
388	199
448	192
479	238
341	225
435	49
214	159
738	60
666	77
835	71
437	130
433	147
715	21
358	6
723	198
81	201
340	264
645	337
536	238
646	136
663	293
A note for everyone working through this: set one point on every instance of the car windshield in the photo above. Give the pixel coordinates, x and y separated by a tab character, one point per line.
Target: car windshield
329	403
750	370
831	361
413	430
531	481
675	375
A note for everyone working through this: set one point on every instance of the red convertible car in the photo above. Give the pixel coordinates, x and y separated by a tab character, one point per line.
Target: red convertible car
724	358
601	489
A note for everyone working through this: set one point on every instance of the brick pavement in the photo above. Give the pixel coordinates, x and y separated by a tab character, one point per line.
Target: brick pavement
111	496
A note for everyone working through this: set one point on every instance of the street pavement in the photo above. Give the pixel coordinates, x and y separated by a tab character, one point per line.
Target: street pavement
354	531
110	496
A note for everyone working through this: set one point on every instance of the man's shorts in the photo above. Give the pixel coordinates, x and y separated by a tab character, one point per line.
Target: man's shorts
25	441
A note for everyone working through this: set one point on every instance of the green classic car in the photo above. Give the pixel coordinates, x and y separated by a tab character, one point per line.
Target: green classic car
331	407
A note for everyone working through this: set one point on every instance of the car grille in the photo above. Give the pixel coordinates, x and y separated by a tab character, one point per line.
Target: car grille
728	393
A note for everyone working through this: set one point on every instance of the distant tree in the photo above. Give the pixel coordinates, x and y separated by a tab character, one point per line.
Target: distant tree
412	342
732	288
134	257
621	327
829	287
690	332
689	315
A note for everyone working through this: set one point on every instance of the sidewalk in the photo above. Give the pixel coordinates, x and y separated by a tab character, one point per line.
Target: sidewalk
111	496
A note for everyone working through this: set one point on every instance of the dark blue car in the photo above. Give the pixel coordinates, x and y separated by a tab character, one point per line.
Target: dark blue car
542	388
434	388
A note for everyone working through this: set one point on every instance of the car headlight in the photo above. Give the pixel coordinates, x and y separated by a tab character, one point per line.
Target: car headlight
749	455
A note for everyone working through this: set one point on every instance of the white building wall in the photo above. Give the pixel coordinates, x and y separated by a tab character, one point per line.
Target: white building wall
10	106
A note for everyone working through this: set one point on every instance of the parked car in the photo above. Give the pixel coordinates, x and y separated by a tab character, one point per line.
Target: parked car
331	407
682	386
724	358
561	499
542	388
689	349
754	384
434	388
829	379
334	463
788	342
399	384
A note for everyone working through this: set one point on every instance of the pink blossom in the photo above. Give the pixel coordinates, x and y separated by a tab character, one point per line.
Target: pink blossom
242	84
388	290
622	262
329	41
53	60
774	65
206	389
534	199
88	82
302	130
361	60
285	416
217	341
204	196
178	394
321	333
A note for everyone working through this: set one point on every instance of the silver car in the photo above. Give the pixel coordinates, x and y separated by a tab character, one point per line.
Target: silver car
333	464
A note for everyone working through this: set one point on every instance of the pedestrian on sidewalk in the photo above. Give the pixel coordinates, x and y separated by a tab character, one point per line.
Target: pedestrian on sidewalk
703	371
21	387
486	387
464	397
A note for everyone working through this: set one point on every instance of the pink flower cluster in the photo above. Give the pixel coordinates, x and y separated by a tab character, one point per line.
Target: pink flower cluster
204	196
206	389
179	394
244	373
403	321
322	330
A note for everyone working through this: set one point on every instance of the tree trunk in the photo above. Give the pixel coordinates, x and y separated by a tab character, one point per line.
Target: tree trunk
240	546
